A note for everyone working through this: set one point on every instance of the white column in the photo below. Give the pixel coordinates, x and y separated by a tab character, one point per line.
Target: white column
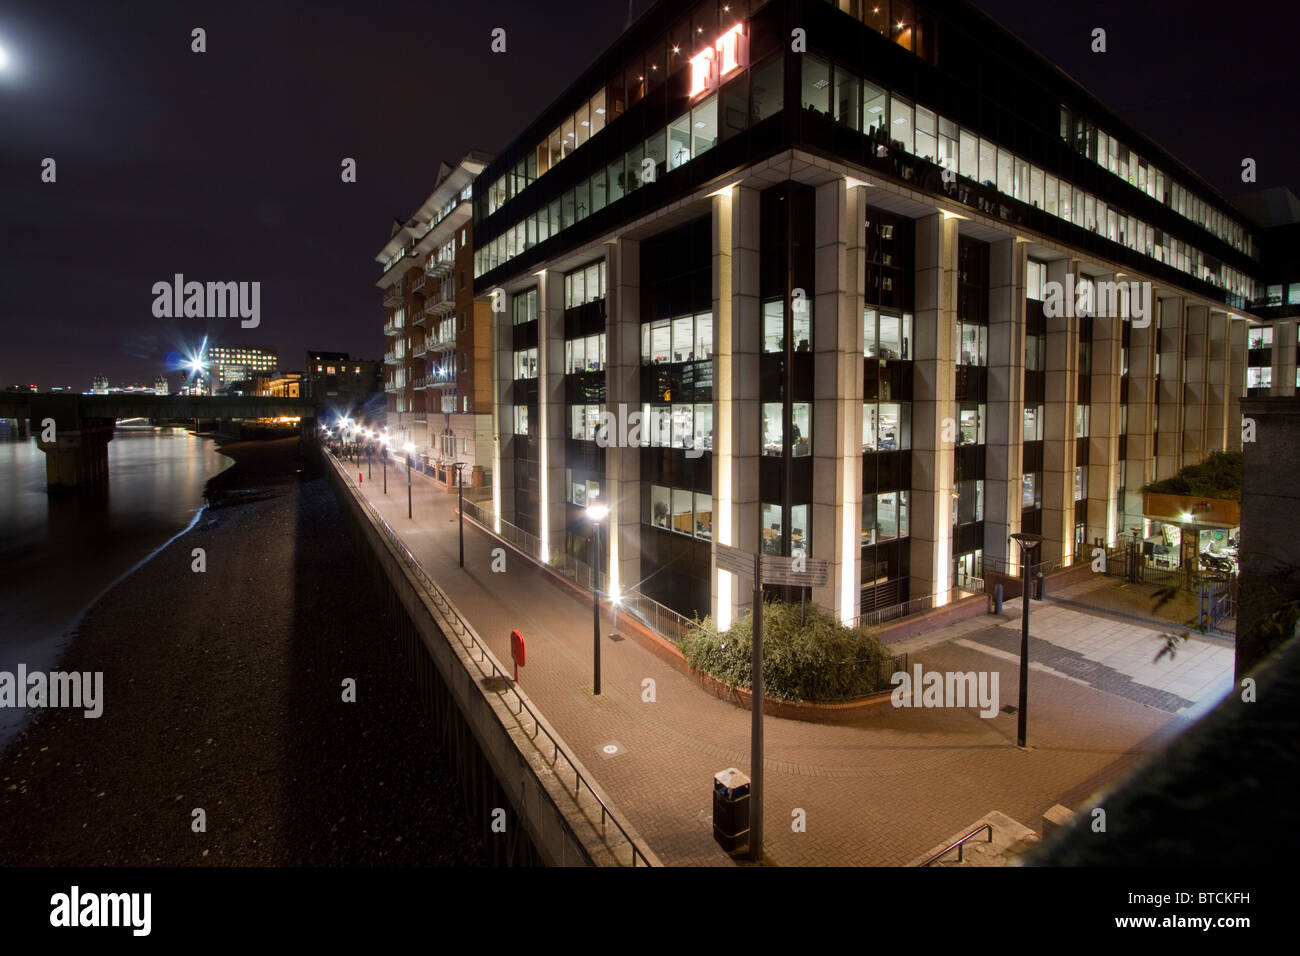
1103	423
622	398
1196	360
551	412
1059	400
503	408
1169	408
934	409
840	233
1004	452
1237	360
736	345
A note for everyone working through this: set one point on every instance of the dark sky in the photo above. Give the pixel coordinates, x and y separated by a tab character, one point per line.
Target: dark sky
225	165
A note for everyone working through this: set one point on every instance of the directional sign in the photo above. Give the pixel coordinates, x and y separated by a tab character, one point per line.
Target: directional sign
734	560
807	573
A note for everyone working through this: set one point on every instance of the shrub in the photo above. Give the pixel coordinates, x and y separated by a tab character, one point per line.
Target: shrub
822	660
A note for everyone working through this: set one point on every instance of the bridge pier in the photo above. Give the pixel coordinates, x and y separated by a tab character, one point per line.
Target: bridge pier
78	455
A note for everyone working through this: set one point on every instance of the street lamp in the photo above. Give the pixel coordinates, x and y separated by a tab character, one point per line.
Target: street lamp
1028	543
383	443
460	507
409	448
597	514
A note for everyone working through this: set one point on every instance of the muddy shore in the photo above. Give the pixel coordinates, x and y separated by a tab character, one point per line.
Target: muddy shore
223	691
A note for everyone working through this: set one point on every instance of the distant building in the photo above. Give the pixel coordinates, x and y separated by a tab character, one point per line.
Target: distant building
438	348
337	379
282	385
99	385
161	386
238	363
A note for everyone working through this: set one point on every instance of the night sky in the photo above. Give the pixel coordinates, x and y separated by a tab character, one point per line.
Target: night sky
226	165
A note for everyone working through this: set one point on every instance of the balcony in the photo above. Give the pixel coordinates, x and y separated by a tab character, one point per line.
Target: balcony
420	349
444	343
393	296
390	358
418	286
391	386
440	265
442	302
421	382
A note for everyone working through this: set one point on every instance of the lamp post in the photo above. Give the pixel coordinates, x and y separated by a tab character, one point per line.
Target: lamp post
597	514
383	450
408	448
460	507
1028	543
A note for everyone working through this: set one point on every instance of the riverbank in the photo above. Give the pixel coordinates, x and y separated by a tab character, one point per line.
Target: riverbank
223	691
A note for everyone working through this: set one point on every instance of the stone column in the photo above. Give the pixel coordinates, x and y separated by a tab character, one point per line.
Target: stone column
1217	383
735	391
839	238
551	412
1004	453
1196	399
1140	444
1169	407
503	408
1103	420
1060	397
934	408
1237	359
622	399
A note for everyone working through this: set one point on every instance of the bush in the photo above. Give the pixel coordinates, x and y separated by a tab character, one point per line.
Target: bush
822	660
1219	476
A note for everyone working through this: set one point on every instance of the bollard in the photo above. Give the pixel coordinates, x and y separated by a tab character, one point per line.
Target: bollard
997	600
361	478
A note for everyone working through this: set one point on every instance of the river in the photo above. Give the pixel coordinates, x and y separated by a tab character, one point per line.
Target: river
58	553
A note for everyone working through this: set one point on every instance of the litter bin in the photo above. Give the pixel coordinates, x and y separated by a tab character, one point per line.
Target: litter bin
731	809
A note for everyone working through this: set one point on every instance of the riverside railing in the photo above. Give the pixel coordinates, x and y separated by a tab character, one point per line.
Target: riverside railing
462	629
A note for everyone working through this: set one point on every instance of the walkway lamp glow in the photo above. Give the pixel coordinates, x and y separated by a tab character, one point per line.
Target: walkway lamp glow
597	514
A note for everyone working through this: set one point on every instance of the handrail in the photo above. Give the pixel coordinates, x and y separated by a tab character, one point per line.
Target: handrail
960	843
449	611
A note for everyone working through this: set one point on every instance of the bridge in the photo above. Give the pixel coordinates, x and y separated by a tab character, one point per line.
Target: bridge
77	453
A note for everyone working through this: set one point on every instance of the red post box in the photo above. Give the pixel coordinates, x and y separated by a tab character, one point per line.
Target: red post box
517	651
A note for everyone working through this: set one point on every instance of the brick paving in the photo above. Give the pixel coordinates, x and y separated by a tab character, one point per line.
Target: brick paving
877	788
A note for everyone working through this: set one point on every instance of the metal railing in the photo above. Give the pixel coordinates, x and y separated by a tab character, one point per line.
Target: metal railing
959	844
462	629
916	605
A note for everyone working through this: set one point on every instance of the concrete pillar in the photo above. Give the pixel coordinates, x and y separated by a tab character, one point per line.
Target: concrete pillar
1284	365
736	343
1169	407
503	409
1060	396
839	240
76	448
1236	378
1196	398
551	412
622	398
1103	423
1004	453
1139	456
934	409
1217	383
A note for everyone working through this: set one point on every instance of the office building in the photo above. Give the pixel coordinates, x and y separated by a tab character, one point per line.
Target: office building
232	364
342	382
885	287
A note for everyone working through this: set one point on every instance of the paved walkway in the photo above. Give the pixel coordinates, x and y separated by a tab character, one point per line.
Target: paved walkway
877	788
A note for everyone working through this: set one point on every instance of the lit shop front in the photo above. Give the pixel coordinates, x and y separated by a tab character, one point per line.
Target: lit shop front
1192	532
